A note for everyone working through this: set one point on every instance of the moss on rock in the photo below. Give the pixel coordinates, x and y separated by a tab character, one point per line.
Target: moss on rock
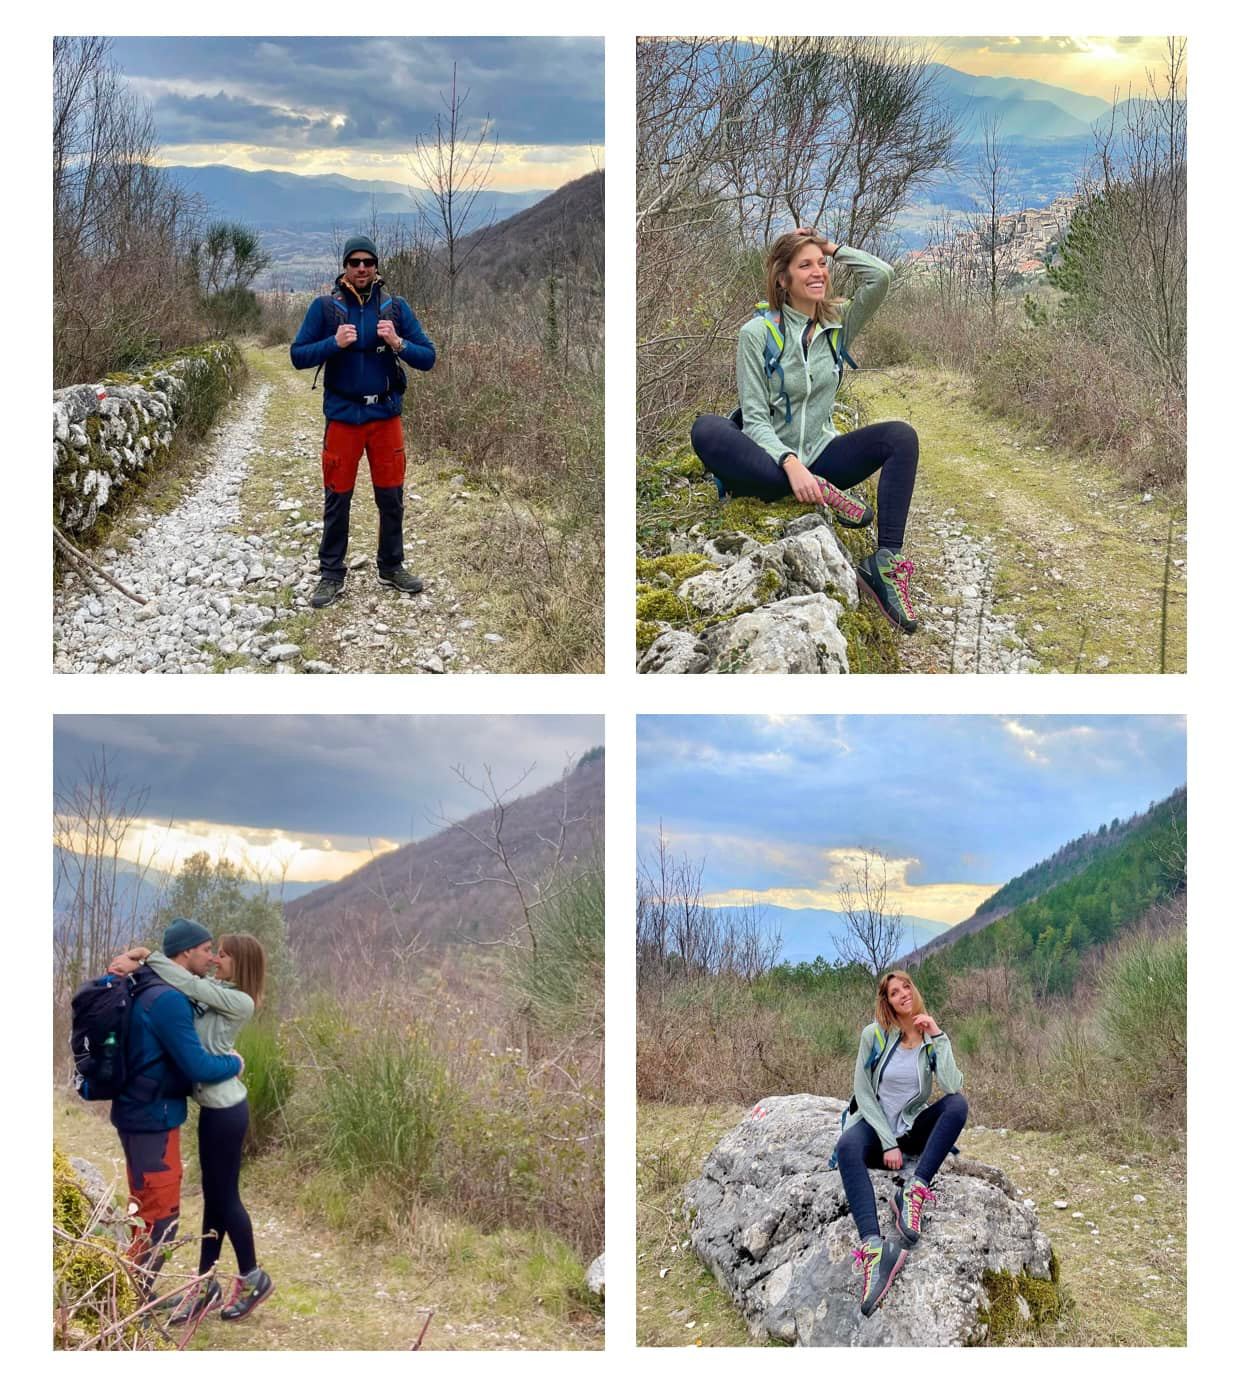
1044	1302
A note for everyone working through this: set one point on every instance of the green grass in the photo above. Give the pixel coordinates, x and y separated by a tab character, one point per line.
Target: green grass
1051	512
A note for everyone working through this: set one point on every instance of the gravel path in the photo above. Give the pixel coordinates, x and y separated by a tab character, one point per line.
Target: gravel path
229	571
209	588
970	636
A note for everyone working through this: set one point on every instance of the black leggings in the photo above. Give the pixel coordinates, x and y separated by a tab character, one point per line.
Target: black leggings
221	1132
935	1130
746	469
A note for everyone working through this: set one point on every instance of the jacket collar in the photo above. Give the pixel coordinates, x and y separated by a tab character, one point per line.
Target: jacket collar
346	291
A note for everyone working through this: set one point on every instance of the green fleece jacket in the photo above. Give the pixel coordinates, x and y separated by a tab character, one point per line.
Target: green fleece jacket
220	1011
811	379
867	1077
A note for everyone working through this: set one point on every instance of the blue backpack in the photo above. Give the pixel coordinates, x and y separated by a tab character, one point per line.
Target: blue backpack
335	308
101	1013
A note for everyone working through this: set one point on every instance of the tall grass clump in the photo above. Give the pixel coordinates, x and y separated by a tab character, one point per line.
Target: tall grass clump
559	983
1143	1015
269	1080
384	1111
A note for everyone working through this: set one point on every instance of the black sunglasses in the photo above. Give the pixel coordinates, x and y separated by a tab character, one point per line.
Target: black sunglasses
355	260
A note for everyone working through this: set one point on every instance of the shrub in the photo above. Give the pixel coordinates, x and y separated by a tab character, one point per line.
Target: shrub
385	1110
1143	1014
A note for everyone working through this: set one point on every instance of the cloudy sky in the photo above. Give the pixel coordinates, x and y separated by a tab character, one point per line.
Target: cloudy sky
355	106
1095	66
315	795
781	805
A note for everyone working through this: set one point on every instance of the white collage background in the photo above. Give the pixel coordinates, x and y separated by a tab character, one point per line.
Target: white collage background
1208	696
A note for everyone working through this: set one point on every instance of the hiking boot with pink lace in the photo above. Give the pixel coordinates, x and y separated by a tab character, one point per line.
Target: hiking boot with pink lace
908	1207
880	1260
886	580
846	510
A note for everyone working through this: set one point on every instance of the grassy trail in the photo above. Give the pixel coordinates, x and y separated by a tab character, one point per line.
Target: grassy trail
1127	1278
338	1291
1075	558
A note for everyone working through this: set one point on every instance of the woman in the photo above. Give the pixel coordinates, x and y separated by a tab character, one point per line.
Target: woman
222	1006
891	1118
782	440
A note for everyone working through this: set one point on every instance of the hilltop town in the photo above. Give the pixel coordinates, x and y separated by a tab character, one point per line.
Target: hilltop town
1026	240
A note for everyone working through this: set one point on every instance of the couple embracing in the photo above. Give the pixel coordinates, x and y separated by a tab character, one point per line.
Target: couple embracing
179	1041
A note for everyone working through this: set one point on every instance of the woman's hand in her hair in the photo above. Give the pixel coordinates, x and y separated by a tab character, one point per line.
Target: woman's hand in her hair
893	1159
805	484
926	1024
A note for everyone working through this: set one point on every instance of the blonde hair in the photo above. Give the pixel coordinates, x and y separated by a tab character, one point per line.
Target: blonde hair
884	1012
249	964
780	254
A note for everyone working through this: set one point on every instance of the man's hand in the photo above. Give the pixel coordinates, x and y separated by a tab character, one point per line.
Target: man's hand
346	334
805	485
390	334
893	1159
241	1059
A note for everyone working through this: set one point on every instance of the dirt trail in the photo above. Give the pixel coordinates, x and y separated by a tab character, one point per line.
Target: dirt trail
1027	556
333	1292
231	561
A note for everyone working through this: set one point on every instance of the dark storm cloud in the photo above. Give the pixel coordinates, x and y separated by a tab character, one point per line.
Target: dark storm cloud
366	776
287	90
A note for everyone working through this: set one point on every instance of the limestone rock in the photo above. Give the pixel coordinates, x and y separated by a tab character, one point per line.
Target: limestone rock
771	1222
674	652
798	635
595	1276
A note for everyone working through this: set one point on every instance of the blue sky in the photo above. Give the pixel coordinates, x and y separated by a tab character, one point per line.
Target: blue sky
355	106
318	793
780	805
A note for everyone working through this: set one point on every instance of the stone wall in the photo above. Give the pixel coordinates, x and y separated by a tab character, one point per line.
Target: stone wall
106	435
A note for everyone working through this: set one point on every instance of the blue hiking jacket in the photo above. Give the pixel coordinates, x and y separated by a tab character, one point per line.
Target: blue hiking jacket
366	367
165	1057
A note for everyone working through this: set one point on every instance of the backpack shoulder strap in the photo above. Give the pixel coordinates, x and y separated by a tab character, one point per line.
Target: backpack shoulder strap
773	346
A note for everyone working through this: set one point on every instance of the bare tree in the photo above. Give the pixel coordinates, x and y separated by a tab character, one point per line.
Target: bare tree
454	170
993	227
99	898
122	230
680	938
873	931
737	140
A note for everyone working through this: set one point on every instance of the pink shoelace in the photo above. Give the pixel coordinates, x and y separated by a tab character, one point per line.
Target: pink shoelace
919	1196
901	574
839	501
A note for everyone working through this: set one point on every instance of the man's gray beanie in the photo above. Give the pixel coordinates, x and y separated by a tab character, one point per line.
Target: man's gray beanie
356	243
184	934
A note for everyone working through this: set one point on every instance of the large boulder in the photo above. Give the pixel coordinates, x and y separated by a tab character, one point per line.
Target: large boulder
771	1222
798	635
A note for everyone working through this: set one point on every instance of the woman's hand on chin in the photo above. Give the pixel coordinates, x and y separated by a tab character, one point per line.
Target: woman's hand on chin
893	1158
926	1024
805	484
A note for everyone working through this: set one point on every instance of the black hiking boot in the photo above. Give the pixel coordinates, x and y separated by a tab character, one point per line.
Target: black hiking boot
886	580
249	1292
401	580
327	591
881	1259
907	1209
197	1301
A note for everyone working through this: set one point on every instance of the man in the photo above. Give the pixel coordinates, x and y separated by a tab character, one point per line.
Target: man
360	334
164	1059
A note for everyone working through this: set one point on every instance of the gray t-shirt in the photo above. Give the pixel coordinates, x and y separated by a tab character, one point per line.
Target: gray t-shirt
898	1085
